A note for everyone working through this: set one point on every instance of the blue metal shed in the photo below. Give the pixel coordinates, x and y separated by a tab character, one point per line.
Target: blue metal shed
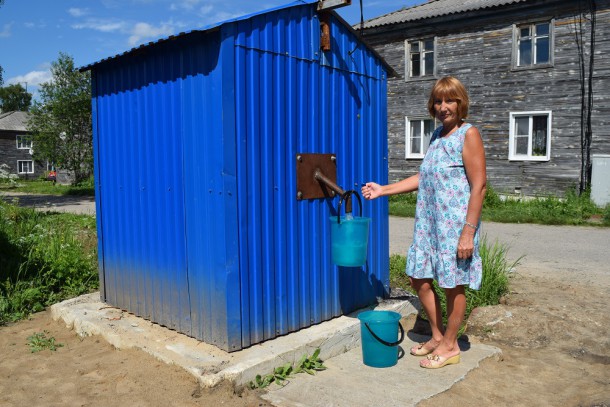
195	138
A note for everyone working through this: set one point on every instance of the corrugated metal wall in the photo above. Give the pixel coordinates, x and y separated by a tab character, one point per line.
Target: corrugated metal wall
291	98
140	193
195	157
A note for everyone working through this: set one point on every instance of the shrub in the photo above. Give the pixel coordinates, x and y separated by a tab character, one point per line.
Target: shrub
6	178
44	258
606	215
492	199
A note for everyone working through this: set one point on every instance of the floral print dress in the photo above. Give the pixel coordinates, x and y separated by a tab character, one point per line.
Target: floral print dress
442	203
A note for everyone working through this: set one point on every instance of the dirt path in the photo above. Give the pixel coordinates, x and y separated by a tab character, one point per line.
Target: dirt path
552	329
82	205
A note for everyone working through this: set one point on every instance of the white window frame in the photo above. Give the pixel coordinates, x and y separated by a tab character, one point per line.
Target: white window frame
31	165
512	155
534	38
408	76
424	148
21	142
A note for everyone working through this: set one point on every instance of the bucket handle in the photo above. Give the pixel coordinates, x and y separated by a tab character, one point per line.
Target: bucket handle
346	196
386	343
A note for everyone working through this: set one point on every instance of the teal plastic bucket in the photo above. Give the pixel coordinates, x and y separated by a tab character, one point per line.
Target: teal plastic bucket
379	330
349	241
349	236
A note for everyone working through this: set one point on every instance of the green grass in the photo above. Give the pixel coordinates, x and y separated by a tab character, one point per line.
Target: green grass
307	364
40	341
495	279
44	258
403	205
46	187
571	210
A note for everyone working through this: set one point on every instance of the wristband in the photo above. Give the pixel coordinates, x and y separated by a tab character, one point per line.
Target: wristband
471	225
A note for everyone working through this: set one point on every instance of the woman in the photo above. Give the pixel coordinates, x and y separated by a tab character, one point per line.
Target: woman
451	187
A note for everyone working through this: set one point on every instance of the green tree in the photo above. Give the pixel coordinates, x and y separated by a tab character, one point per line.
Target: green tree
15	97
60	122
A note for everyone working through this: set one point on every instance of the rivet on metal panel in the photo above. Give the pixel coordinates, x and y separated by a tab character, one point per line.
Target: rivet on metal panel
333	158
299	158
299	195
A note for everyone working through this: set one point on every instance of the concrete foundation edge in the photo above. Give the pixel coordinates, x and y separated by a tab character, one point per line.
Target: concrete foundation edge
87	316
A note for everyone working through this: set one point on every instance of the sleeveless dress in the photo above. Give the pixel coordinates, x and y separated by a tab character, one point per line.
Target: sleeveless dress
442	203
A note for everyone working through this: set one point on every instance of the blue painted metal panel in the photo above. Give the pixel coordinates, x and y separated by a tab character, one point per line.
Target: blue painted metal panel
139	157
196	140
292	99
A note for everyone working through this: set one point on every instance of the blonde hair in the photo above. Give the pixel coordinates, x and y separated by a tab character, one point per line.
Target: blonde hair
449	87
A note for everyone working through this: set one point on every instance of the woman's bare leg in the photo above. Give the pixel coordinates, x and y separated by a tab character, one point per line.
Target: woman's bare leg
432	306
448	349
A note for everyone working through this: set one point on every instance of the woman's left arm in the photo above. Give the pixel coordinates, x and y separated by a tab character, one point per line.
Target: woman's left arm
473	156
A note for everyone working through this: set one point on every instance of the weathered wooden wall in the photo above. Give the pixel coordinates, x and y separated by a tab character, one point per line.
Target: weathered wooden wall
10	154
477	49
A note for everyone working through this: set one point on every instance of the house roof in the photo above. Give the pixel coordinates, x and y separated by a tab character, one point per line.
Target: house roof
13	121
434	8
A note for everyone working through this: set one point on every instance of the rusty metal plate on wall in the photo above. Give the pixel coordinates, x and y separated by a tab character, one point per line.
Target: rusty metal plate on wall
308	187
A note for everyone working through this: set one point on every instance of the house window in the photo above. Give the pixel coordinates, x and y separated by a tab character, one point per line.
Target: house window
533	45
420	54
530	136
24	142
25	167
418	134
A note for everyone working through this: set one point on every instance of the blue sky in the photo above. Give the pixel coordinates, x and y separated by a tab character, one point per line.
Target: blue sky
34	32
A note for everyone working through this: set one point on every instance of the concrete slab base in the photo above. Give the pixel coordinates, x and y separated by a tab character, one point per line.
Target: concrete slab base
87	315
349	383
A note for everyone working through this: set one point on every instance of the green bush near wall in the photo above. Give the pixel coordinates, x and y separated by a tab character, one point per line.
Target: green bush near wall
44	258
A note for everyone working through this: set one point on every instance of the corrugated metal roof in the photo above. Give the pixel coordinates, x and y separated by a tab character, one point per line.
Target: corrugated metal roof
203	29
390	70
434	8
13	121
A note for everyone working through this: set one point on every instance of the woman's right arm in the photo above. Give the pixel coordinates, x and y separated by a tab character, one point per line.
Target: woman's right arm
372	190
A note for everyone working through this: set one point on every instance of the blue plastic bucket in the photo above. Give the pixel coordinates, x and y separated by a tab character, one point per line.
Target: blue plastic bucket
349	241
379	330
349	236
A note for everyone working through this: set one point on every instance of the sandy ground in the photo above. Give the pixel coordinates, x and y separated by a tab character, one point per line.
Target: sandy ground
553	334
552	329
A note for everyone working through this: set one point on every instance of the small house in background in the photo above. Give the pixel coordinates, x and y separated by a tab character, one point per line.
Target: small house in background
16	146
537	74
197	137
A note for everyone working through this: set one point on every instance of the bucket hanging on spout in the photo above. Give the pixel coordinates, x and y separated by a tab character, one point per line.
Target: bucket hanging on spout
349	236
